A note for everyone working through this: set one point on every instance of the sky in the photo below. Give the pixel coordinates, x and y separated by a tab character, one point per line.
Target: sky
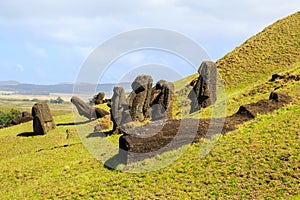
49	41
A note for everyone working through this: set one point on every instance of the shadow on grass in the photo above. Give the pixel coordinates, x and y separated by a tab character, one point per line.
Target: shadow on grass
57	147
100	134
75	123
97	134
28	134
114	162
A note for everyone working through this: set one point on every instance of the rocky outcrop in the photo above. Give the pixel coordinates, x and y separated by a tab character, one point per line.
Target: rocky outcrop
86	110
140	98
204	89
162	100
42	118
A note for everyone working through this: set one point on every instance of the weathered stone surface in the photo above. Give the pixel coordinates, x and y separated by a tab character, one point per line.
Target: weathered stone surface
204	89
25	117
250	111
140	97
280	97
159	137
162	100
42	118
99	98
118	107
86	110
100	113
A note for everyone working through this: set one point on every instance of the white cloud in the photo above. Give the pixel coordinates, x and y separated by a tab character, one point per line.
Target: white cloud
87	22
78	26
20	67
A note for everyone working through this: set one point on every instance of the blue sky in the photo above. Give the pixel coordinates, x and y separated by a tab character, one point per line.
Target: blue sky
47	41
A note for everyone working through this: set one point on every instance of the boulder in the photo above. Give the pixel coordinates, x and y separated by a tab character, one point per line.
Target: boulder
42	118
87	110
140	97
25	117
162	100
204	89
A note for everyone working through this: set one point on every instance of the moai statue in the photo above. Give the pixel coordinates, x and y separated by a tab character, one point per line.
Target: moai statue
42	118
162	100
204	90
140	97
87	110
119	108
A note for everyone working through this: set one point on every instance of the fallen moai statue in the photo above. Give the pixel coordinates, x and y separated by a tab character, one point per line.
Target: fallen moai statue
204	89
250	111
99	99
25	117
86	110
42	118
157	137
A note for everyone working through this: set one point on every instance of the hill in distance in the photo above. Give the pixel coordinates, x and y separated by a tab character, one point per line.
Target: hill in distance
65	88
2	83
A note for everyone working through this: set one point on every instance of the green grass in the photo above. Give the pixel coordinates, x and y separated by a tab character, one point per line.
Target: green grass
273	50
259	160
41	167
57	109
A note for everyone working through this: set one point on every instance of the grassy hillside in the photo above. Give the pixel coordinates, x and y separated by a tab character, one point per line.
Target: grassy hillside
259	160
273	50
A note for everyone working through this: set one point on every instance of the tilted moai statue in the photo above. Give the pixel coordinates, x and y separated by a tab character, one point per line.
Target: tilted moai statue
204	90
119	111
162	100
140	98
42	118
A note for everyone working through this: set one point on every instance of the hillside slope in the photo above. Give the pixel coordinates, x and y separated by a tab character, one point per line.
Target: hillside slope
260	160
273	50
